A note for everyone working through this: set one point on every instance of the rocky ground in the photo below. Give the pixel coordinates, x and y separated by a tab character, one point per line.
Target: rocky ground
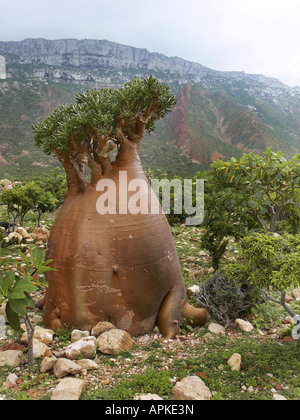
210	363
251	361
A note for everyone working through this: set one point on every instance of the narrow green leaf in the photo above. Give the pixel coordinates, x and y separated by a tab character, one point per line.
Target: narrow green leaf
37	255
8	282
43	269
25	285
12	317
36	263
25	259
48	262
16	294
1	283
29	301
18	306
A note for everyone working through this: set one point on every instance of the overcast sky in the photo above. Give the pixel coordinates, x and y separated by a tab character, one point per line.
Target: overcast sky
256	36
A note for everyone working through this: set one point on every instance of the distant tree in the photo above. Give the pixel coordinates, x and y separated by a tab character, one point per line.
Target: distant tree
55	183
19	201
45	203
13	201
252	193
31	194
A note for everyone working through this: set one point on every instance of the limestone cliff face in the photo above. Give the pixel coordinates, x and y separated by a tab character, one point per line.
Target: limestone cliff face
86	60
93	54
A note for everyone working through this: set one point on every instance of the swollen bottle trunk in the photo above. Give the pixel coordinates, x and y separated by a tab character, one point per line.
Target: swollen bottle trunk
121	268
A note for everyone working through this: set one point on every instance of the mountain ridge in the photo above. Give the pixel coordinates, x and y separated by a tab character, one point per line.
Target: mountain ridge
61	51
218	115
72	52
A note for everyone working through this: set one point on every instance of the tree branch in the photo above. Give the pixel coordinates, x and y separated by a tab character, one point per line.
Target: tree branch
75	171
30	335
282	303
260	222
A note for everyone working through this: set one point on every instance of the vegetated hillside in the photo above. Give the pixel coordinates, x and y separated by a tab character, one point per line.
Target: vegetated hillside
218	115
208	125
21	104
205	125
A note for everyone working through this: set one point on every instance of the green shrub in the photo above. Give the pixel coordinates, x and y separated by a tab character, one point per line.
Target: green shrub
152	382
269	260
63	336
2	235
271	264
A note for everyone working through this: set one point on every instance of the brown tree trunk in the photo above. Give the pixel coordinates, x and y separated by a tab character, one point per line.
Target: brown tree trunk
75	171
121	268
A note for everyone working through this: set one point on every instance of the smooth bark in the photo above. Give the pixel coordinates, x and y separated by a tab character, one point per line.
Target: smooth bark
119	268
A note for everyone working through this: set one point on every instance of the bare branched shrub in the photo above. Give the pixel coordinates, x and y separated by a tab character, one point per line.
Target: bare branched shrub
227	299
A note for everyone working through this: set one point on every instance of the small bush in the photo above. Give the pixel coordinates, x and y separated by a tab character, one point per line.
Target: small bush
227	299
2	238
63	336
152	382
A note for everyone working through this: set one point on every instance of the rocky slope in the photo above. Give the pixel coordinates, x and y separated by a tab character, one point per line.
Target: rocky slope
219	114
210	125
92	54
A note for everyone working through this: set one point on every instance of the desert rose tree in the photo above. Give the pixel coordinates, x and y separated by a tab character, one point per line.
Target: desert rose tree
121	267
